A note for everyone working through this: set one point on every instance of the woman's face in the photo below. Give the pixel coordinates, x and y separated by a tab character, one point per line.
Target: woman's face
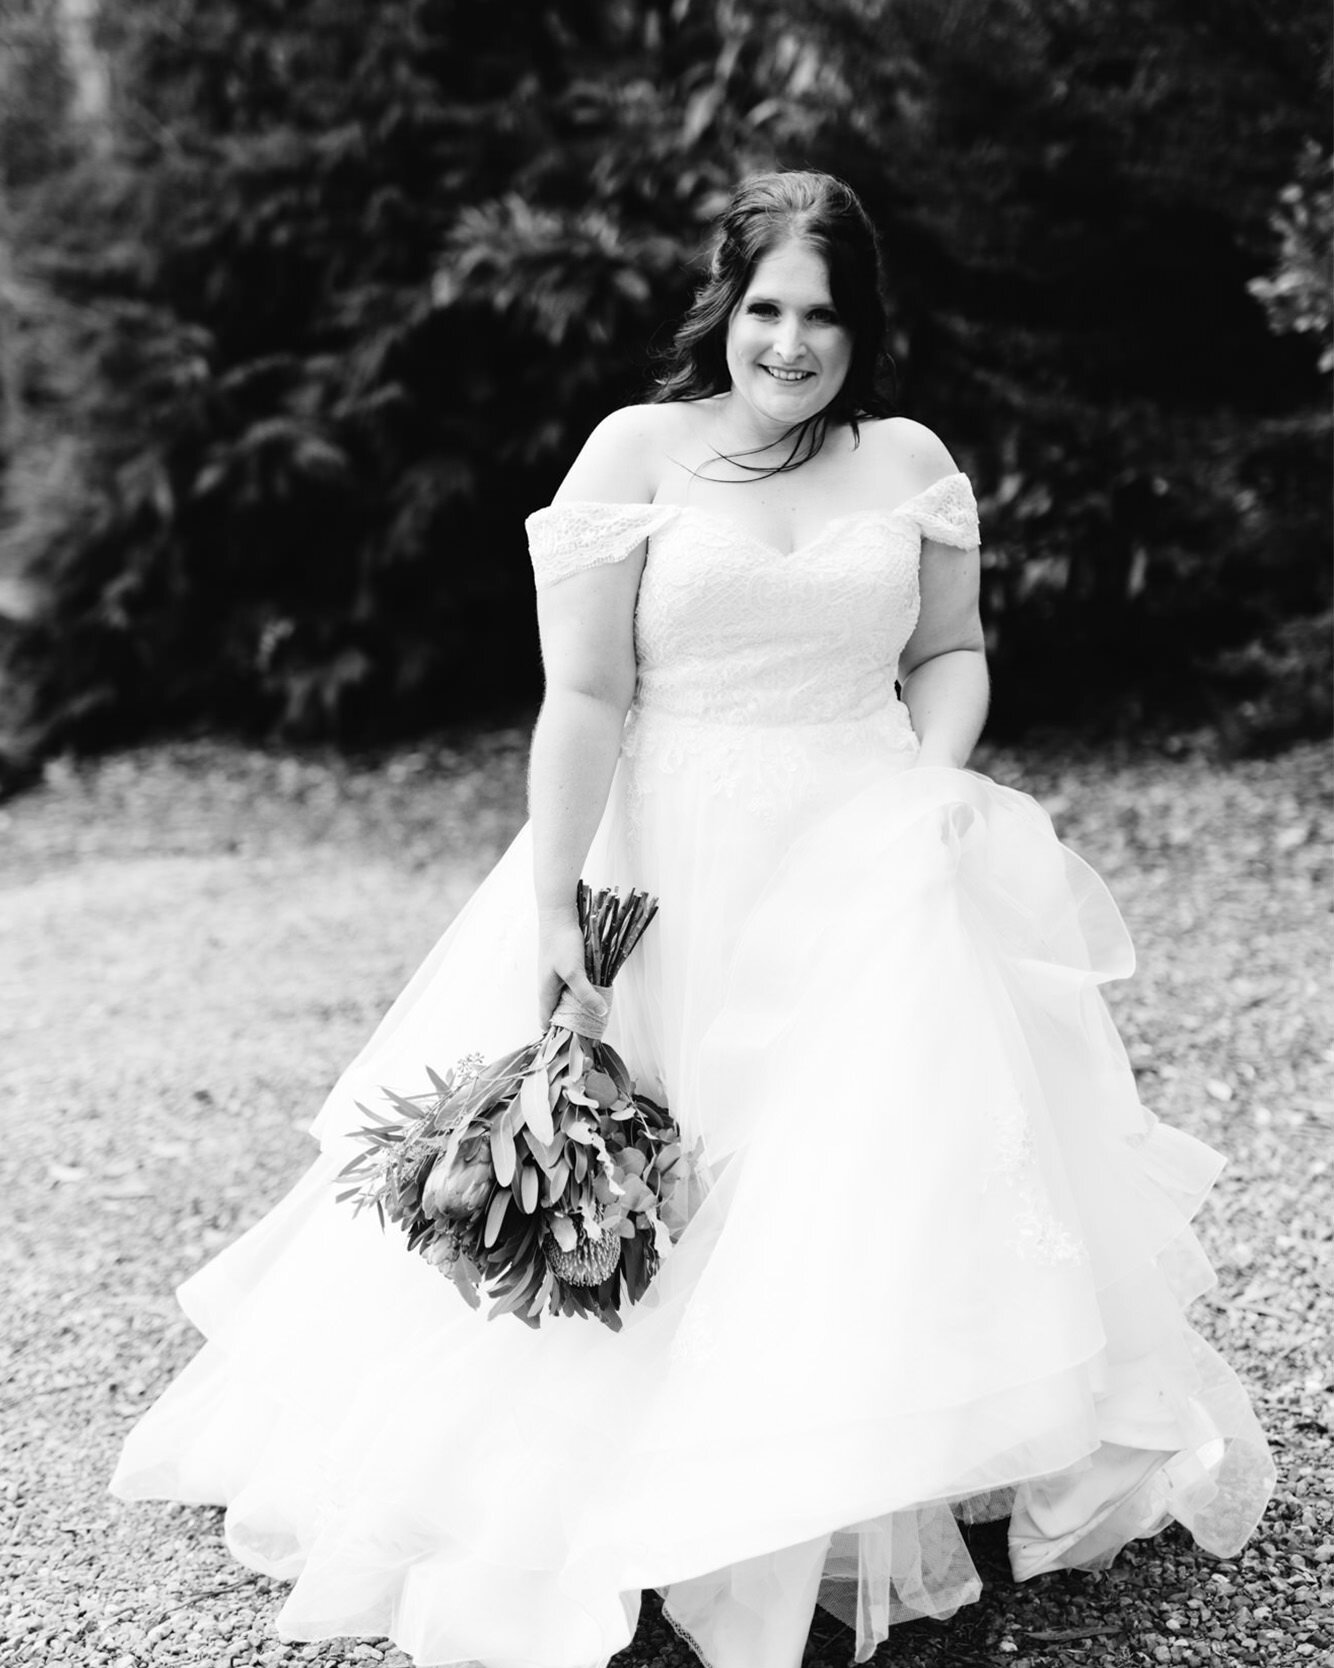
787	351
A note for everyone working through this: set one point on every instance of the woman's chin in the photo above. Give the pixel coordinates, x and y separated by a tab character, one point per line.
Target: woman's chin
787	409
787	393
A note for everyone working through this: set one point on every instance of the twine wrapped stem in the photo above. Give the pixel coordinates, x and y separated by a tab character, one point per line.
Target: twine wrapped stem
584	1021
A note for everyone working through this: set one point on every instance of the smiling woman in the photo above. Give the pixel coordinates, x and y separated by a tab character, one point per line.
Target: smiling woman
805	238
940	1261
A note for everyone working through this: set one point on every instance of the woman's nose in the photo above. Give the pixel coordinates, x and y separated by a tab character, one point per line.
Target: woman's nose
788	343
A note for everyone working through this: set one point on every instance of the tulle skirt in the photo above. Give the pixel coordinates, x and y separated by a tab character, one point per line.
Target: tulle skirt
937	1270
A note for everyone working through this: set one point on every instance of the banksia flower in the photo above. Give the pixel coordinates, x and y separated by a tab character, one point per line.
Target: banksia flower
590	1262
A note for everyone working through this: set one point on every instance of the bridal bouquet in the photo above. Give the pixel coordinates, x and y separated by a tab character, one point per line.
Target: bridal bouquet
543	1180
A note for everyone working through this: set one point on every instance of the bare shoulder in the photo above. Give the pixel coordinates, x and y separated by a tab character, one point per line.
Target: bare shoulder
909	450
621	461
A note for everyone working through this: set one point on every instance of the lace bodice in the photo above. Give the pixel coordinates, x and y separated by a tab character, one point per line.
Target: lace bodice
730	630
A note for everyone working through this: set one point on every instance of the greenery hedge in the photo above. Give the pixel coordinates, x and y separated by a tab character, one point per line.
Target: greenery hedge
302	324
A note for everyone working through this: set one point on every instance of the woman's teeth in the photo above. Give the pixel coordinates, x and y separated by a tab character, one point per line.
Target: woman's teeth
786	376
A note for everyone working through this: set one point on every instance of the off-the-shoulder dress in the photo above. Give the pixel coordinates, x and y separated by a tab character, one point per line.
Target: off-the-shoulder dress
942	1266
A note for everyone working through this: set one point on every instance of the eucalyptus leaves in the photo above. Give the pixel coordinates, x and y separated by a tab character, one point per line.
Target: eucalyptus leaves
542	1180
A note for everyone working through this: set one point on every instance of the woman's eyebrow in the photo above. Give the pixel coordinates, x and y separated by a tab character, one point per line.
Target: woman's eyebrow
773	301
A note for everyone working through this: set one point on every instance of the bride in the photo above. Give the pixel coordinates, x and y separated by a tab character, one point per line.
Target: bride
940	1263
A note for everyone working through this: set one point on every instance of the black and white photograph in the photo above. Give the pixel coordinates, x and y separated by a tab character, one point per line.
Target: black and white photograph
666	834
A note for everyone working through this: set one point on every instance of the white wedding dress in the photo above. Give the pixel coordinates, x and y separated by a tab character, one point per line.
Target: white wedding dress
941	1268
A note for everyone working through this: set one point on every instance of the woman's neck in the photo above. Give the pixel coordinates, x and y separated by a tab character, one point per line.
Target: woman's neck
740	433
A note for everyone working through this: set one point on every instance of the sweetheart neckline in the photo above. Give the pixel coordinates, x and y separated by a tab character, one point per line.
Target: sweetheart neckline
877	514
763	544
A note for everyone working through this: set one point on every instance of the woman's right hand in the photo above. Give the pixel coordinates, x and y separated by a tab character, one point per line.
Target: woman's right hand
560	965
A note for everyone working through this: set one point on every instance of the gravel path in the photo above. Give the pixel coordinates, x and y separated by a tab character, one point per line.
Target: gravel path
194	939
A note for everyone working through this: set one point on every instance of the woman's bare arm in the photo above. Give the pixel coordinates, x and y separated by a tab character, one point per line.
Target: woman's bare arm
586	628
943	667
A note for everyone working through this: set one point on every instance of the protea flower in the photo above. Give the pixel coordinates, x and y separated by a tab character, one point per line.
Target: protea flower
459	1190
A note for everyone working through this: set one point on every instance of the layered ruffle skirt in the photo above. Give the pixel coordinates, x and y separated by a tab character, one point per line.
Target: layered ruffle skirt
937	1270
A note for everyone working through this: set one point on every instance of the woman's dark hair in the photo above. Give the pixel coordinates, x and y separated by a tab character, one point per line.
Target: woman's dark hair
766	211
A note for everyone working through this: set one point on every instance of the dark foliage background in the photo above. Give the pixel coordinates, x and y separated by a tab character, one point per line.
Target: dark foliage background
300	320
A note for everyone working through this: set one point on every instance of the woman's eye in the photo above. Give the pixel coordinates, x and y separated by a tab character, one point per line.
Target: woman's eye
769	310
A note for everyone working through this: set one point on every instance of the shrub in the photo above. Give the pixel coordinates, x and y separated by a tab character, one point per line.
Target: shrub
340	299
